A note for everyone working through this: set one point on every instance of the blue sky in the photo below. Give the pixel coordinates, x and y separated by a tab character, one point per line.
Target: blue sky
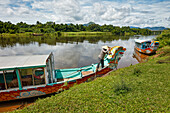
139	13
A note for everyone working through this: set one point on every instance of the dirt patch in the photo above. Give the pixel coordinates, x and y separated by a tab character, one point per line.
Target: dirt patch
167	60
162	52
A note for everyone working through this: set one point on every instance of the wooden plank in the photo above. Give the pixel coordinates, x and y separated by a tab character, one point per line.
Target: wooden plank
33	78
44	76
5	80
86	72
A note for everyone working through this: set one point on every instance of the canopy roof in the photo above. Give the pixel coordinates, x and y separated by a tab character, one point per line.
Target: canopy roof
13	62
142	41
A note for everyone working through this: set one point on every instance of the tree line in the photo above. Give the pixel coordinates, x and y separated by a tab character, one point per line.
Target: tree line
51	27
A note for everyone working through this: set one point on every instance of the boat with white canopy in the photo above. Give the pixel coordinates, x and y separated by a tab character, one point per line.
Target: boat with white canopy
146	46
35	75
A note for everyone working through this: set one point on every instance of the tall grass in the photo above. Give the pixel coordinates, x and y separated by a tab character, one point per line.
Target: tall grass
85	33
56	34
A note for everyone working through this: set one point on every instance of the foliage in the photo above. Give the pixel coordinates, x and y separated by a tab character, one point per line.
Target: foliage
164	38
51	27
8	27
121	88
137	72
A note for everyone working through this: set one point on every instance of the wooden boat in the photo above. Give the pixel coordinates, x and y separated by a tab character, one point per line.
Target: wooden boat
29	76
146	46
37	34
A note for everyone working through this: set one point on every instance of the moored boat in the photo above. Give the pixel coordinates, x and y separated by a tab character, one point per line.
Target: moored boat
146	46
37	34
30	76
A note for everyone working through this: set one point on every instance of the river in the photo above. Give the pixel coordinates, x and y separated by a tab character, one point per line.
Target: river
70	51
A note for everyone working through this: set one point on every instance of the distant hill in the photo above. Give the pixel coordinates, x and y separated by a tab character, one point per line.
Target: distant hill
155	28
88	23
151	28
134	27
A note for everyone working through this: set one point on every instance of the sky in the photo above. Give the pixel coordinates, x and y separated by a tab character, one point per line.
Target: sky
138	13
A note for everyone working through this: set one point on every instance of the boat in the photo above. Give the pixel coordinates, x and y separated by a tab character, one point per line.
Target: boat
37	34
35	75
146	46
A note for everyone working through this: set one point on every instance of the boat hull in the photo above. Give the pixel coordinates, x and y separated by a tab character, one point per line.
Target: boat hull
51	88
148	51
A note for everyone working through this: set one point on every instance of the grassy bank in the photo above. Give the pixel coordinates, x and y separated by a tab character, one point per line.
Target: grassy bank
56	34
139	88
85	33
8	35
27	34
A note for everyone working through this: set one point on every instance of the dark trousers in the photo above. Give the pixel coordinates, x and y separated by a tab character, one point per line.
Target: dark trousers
102	63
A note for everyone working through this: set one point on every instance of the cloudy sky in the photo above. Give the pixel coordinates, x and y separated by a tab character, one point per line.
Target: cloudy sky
139	13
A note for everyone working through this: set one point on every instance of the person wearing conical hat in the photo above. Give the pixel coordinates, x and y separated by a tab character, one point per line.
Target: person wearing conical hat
104	51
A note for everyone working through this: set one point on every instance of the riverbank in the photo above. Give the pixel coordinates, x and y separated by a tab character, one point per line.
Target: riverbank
139	88
85	33
55	34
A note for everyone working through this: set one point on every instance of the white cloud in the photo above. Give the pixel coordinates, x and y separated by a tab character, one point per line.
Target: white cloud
100	9
140	13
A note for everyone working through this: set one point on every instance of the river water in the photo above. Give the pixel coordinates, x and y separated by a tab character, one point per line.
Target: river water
70	51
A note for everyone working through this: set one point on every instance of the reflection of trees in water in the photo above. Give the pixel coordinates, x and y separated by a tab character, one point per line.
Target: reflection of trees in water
12	41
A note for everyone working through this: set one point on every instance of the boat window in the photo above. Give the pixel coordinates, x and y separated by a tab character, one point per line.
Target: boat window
8	79
156	44
143	46
32	76
39	77
26	77
138	45
148	44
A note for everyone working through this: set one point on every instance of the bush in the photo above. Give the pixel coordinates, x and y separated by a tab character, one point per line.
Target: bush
121	88
164	38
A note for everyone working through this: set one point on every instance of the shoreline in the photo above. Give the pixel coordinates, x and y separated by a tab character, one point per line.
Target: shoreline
62	34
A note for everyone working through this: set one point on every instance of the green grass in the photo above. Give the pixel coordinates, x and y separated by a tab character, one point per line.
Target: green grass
85	33
29	34
143	87
8	35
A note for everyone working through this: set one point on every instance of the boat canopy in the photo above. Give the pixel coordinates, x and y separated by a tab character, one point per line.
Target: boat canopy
142	41
22	62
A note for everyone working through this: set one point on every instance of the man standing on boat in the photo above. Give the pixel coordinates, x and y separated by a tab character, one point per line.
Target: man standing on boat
104	51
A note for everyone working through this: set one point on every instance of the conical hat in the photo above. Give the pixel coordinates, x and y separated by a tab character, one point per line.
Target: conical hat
105	47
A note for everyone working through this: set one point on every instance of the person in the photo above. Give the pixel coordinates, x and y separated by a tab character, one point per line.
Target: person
104	51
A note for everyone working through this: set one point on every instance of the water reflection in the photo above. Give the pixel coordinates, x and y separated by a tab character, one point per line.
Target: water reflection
140	57
12	41
69	51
